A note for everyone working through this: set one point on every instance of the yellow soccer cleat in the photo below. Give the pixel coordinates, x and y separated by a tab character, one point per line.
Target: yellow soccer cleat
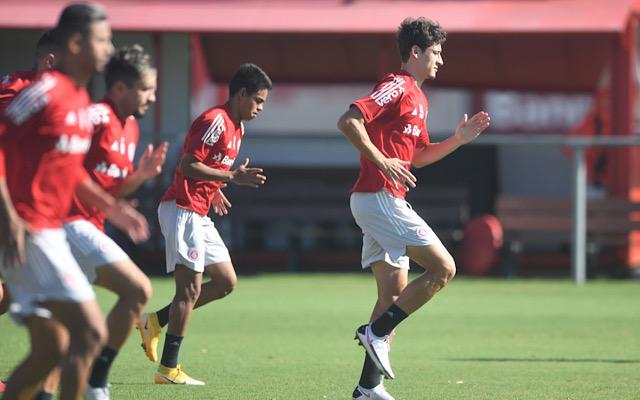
150	330
175	376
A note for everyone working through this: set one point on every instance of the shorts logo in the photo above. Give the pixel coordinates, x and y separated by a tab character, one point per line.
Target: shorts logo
193	254
422	232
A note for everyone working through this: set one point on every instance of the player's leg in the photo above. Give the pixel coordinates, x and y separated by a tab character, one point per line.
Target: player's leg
87	334
390	281
4	298
105	264
439	267
133	289
223	281
49	343
208	247
187	283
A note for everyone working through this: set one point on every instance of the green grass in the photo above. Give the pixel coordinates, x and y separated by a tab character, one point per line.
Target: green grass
290	337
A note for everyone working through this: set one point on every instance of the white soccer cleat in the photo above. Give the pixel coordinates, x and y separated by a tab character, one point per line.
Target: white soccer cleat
377	348
377	393
99	393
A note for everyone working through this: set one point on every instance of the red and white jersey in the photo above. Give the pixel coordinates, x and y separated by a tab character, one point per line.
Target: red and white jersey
12	84
395	115
110	158
44	135
213	139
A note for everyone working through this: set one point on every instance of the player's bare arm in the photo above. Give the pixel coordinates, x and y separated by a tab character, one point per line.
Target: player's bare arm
351	124
466	131
12	229
118	212
243	175
149	166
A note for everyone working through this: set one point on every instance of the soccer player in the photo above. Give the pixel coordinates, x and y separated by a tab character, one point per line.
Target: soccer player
44	135
131	85
193	245
10	86
13	83
388	128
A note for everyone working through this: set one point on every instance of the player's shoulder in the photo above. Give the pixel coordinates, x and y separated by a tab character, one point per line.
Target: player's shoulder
33	98
16	78
391	88
212	124
215	113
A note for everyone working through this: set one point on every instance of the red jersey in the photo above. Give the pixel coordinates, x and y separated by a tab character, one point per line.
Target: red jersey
213	139
395	116
110	158
12	84
44	135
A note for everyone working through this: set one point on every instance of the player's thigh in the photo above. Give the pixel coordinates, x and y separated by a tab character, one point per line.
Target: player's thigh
82	320
49	338
124	278
433	258
222	272
187	282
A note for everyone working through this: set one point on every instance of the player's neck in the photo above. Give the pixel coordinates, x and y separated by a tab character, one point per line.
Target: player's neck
407	67
234	111
74	71
117	109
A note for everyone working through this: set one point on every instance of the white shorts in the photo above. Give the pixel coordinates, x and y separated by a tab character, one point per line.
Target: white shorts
190	238
50	274
389	225
91	247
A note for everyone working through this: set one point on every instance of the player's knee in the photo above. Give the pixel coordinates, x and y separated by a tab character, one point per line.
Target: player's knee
93	337
446	271
189	293
142	292
228	284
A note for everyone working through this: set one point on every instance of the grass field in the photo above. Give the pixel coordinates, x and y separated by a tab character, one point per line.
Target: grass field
290	337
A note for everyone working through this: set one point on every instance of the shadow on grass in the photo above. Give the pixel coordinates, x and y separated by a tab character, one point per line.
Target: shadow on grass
549	360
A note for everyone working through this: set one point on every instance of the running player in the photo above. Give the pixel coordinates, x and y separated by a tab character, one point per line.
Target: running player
10	86
44	135
388	128
131	85
193	245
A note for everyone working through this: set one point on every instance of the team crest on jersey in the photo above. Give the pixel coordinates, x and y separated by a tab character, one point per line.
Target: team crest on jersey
389	91
212	134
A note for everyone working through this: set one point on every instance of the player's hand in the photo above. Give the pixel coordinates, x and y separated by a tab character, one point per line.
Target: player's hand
12	237
220	203
151	161
397	170
245	176
128	220
469	129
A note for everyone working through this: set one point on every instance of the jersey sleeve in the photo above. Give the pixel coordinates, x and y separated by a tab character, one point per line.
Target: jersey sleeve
384	98
204	135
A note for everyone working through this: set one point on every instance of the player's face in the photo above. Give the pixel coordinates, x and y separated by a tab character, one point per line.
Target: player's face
141	95
430	60
100	46
252	104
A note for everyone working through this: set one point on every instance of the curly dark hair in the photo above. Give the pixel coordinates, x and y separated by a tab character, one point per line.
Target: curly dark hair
421	32
127	65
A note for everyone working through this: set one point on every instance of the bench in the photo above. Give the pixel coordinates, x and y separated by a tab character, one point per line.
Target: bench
302	219
543	227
